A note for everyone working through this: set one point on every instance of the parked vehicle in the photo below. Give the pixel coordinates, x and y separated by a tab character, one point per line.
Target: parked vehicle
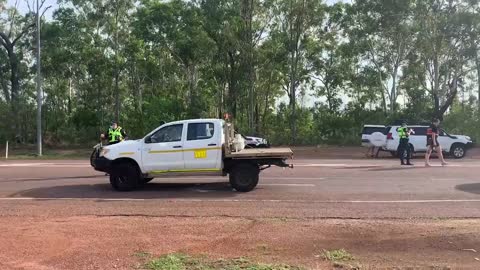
256	142
374	135
189	147
454	145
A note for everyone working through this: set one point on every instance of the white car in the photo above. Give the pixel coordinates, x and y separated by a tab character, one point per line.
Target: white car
256	142
455	145
374	135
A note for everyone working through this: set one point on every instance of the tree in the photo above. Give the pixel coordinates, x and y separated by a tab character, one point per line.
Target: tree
444	50
471	14
329	57
384	30
177	27
15	28
295	21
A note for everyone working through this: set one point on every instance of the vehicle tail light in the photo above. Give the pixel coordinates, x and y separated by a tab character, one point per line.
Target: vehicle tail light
389	136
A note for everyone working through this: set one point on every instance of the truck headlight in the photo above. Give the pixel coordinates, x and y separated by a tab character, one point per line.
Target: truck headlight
103	152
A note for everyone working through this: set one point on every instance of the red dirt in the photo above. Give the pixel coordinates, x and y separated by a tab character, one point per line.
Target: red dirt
91	242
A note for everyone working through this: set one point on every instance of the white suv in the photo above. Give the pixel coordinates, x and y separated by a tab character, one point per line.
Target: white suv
374	135
455	145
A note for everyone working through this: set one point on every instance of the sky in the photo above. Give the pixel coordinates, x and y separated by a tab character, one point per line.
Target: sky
23	7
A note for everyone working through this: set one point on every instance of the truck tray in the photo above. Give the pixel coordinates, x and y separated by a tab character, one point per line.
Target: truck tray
261	153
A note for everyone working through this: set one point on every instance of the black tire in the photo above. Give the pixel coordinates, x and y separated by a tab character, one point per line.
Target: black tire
244	177
92	157
458	151
146	180
125	177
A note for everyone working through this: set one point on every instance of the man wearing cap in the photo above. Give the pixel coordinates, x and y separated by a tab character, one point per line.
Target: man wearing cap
115	133
404	147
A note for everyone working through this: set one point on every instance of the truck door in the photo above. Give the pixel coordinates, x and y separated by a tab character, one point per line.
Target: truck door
163	150
202	147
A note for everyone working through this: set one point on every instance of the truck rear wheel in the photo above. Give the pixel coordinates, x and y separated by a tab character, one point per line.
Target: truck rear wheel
146	180
244	177
124	177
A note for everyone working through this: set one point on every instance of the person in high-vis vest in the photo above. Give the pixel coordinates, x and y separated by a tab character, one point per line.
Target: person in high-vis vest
115	134
404	147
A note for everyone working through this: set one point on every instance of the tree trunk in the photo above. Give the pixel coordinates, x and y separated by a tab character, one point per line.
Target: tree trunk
393	92
477	63
232	84
15	88
192	85
249	69
292	96
117	95
4	86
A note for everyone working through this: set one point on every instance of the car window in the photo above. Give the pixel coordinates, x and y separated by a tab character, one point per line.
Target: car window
420	131
386	130
370	130
443	133
200	131
171	133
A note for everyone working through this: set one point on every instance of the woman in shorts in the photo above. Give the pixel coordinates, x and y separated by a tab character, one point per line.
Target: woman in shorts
432	143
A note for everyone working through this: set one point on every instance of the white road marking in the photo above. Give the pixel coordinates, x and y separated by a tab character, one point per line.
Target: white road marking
289	185
247	200
44	165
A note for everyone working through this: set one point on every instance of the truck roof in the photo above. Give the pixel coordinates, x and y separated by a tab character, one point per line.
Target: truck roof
195	121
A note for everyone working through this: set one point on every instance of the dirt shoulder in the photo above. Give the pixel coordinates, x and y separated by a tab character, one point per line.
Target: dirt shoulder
355	152
112	242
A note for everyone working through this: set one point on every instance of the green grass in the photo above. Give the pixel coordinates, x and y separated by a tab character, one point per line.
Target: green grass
80	154
185	262
338	255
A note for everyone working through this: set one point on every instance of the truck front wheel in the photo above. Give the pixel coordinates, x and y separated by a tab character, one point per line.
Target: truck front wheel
124	177
244	177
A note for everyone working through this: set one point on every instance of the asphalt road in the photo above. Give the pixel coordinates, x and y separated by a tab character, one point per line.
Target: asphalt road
349	189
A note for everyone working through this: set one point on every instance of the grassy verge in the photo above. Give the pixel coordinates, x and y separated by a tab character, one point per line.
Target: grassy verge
185	262
57	154
341	259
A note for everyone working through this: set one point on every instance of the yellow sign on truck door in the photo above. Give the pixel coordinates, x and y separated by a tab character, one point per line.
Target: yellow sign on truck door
200	153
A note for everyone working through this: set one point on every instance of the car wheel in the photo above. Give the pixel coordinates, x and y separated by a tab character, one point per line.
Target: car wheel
244	177
92	157
125	177
146	180
458	151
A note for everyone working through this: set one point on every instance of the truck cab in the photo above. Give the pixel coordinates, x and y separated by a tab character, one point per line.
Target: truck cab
188	147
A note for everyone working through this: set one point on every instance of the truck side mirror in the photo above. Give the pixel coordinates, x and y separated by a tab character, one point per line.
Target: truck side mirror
148	139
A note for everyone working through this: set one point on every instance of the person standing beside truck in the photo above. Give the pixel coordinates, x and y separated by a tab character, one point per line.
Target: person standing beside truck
404	146
115	134
433	144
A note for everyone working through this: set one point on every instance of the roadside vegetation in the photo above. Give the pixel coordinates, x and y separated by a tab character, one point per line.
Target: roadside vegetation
185	262
303	72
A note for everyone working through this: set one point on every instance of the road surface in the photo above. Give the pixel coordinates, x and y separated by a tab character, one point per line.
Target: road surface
347	198
320	188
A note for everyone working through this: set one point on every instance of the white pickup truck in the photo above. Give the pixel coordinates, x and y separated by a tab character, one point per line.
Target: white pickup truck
190	147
